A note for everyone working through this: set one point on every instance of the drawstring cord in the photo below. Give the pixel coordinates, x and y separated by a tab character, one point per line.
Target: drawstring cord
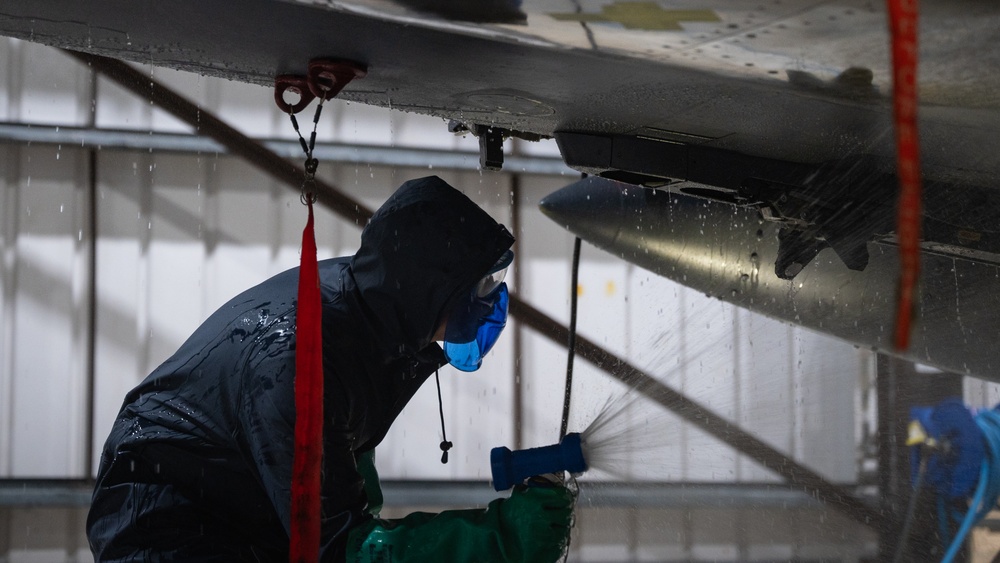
445	444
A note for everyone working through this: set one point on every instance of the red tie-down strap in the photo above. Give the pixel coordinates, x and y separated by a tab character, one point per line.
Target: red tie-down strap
903	24
325	80
305	521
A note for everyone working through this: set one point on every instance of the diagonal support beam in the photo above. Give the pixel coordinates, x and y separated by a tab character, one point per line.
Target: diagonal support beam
331	197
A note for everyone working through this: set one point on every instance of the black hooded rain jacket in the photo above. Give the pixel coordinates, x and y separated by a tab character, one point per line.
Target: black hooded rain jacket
198	464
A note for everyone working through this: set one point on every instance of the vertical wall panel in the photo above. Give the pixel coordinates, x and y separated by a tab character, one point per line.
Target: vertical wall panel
10	164
119	354
176	255
83	314
240	257
10	73
765	383
544	253
118	108
51	86
45	398
45	271
546	284
829	405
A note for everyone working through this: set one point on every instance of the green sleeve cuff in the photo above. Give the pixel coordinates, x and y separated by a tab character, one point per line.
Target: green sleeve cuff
373	489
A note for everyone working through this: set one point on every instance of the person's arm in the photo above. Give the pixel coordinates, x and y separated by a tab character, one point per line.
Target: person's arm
532	525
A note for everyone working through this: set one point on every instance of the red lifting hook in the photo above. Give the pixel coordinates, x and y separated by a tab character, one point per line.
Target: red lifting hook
295	84
325	79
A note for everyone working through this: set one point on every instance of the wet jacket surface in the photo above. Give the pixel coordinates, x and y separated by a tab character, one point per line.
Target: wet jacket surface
198	464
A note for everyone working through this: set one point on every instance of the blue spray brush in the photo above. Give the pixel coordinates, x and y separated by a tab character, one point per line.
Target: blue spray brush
513	467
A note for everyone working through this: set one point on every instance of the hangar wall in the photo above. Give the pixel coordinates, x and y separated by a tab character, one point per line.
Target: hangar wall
111	257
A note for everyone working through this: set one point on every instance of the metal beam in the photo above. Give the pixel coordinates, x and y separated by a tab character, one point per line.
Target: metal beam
123	139
26	493
795	473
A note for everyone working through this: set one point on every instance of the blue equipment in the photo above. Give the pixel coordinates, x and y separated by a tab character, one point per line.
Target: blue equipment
957	453
513	467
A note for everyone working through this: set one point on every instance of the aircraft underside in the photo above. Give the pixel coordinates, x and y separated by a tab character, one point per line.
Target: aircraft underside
766	131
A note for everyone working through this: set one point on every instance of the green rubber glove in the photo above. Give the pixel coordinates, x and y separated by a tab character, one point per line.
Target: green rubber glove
532	526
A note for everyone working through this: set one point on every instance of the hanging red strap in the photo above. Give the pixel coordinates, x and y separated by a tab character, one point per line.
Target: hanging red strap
305	520
325	80
903	24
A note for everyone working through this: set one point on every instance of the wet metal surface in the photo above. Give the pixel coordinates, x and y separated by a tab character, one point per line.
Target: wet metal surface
728	252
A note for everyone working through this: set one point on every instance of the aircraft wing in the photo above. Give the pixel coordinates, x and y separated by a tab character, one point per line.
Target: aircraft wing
781	109
800	81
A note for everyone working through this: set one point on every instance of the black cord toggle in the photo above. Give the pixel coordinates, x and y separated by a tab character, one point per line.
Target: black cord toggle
445	446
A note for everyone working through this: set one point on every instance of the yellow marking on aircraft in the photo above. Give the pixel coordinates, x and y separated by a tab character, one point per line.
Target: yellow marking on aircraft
609	288
647	16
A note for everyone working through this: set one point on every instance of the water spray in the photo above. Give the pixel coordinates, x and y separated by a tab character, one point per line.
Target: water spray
605	445
513	467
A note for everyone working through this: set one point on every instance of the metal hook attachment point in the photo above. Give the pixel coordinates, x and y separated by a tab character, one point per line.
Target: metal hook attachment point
294	84
327	77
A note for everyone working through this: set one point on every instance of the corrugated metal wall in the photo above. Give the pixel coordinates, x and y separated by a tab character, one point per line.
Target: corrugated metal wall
142	246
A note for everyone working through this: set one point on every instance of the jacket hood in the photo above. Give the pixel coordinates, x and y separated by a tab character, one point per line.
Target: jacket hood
424	247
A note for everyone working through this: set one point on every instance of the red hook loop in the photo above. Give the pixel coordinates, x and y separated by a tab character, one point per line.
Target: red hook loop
327	77
296	84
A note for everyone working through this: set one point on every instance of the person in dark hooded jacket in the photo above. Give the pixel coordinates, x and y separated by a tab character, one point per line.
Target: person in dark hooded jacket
198	463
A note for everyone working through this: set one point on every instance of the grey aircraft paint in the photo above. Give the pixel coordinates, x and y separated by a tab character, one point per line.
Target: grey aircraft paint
728	251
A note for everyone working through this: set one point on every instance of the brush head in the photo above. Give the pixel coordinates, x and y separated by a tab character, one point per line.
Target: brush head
501	461
571	449
513	467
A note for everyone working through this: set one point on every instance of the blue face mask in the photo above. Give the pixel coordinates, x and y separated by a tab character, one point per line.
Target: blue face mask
466	352
476	323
